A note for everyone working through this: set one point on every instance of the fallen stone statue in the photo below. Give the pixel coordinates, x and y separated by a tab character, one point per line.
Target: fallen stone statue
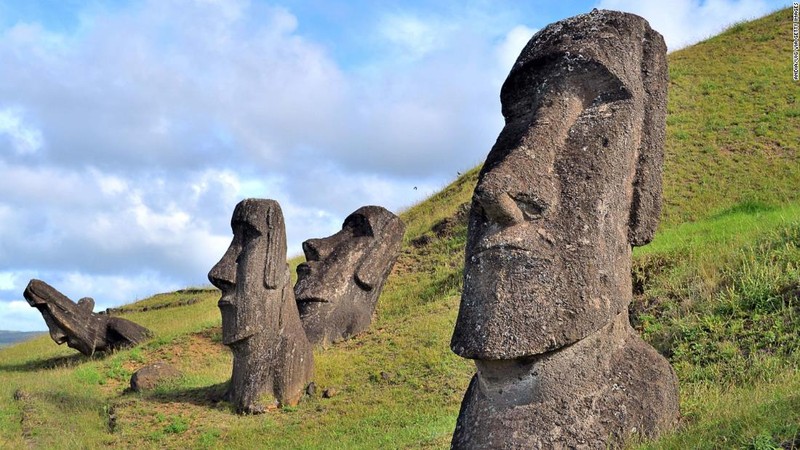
76	324
338	286
572	183
260	322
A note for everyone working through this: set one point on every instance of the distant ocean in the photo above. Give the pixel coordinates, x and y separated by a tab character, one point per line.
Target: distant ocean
11	337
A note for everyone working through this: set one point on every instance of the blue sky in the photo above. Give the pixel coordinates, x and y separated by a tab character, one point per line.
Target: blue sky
130	129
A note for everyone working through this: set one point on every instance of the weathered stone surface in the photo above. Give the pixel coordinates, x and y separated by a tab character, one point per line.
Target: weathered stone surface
77	325
573	181
311	389
338	286
330	393
260	321
21	395
150	376
593	394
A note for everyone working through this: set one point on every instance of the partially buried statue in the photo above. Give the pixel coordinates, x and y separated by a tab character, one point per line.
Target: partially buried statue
572	183
339	284
77	325
260	322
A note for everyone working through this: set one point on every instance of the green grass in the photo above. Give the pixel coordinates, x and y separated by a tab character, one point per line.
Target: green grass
733	125
721	299
717	293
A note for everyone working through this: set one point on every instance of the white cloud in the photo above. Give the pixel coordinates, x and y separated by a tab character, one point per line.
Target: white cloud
22	137
7	280
110	185
510	48
411	37
18	315
59	218
685	22
178	84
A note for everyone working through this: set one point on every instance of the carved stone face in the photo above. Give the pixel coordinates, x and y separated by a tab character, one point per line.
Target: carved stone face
252	271
564	193
338	285
67	321
76	324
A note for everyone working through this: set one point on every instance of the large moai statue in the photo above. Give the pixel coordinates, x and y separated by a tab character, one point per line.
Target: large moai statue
572	183
339	284
260	321
76	323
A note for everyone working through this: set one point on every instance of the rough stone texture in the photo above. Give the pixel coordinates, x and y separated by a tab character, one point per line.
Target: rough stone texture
339	284
21	395
330	393
573	181
260	321
150	376
593	394
76	324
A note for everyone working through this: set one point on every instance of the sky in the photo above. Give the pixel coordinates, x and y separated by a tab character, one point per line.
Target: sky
129	130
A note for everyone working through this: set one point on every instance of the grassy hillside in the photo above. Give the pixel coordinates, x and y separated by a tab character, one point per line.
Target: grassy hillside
733	123
717	292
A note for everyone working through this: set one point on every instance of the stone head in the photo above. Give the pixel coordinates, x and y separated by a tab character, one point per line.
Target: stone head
339	283
573	181
252	273
67	321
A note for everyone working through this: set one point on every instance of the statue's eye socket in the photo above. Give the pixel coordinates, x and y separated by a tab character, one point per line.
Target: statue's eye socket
531	208
245	232
359	225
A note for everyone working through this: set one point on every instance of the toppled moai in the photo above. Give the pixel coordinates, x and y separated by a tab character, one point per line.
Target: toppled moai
338	286
572	183
77	324
260	323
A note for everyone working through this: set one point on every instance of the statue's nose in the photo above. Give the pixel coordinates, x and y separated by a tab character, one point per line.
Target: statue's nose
498	206
517	189
223	274
496	193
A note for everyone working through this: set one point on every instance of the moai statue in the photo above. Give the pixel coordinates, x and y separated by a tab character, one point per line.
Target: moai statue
260	322
77	325
572	183
339	284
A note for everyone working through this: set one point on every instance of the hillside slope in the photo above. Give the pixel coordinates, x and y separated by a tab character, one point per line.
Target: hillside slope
717	292
733	123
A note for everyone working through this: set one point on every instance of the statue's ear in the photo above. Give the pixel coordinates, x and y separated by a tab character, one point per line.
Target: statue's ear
275	260
372	268
86	303
646	203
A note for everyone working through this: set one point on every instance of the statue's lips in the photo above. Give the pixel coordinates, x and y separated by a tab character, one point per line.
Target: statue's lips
496	256
306	286
225	302
312	299
499	248
520	238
